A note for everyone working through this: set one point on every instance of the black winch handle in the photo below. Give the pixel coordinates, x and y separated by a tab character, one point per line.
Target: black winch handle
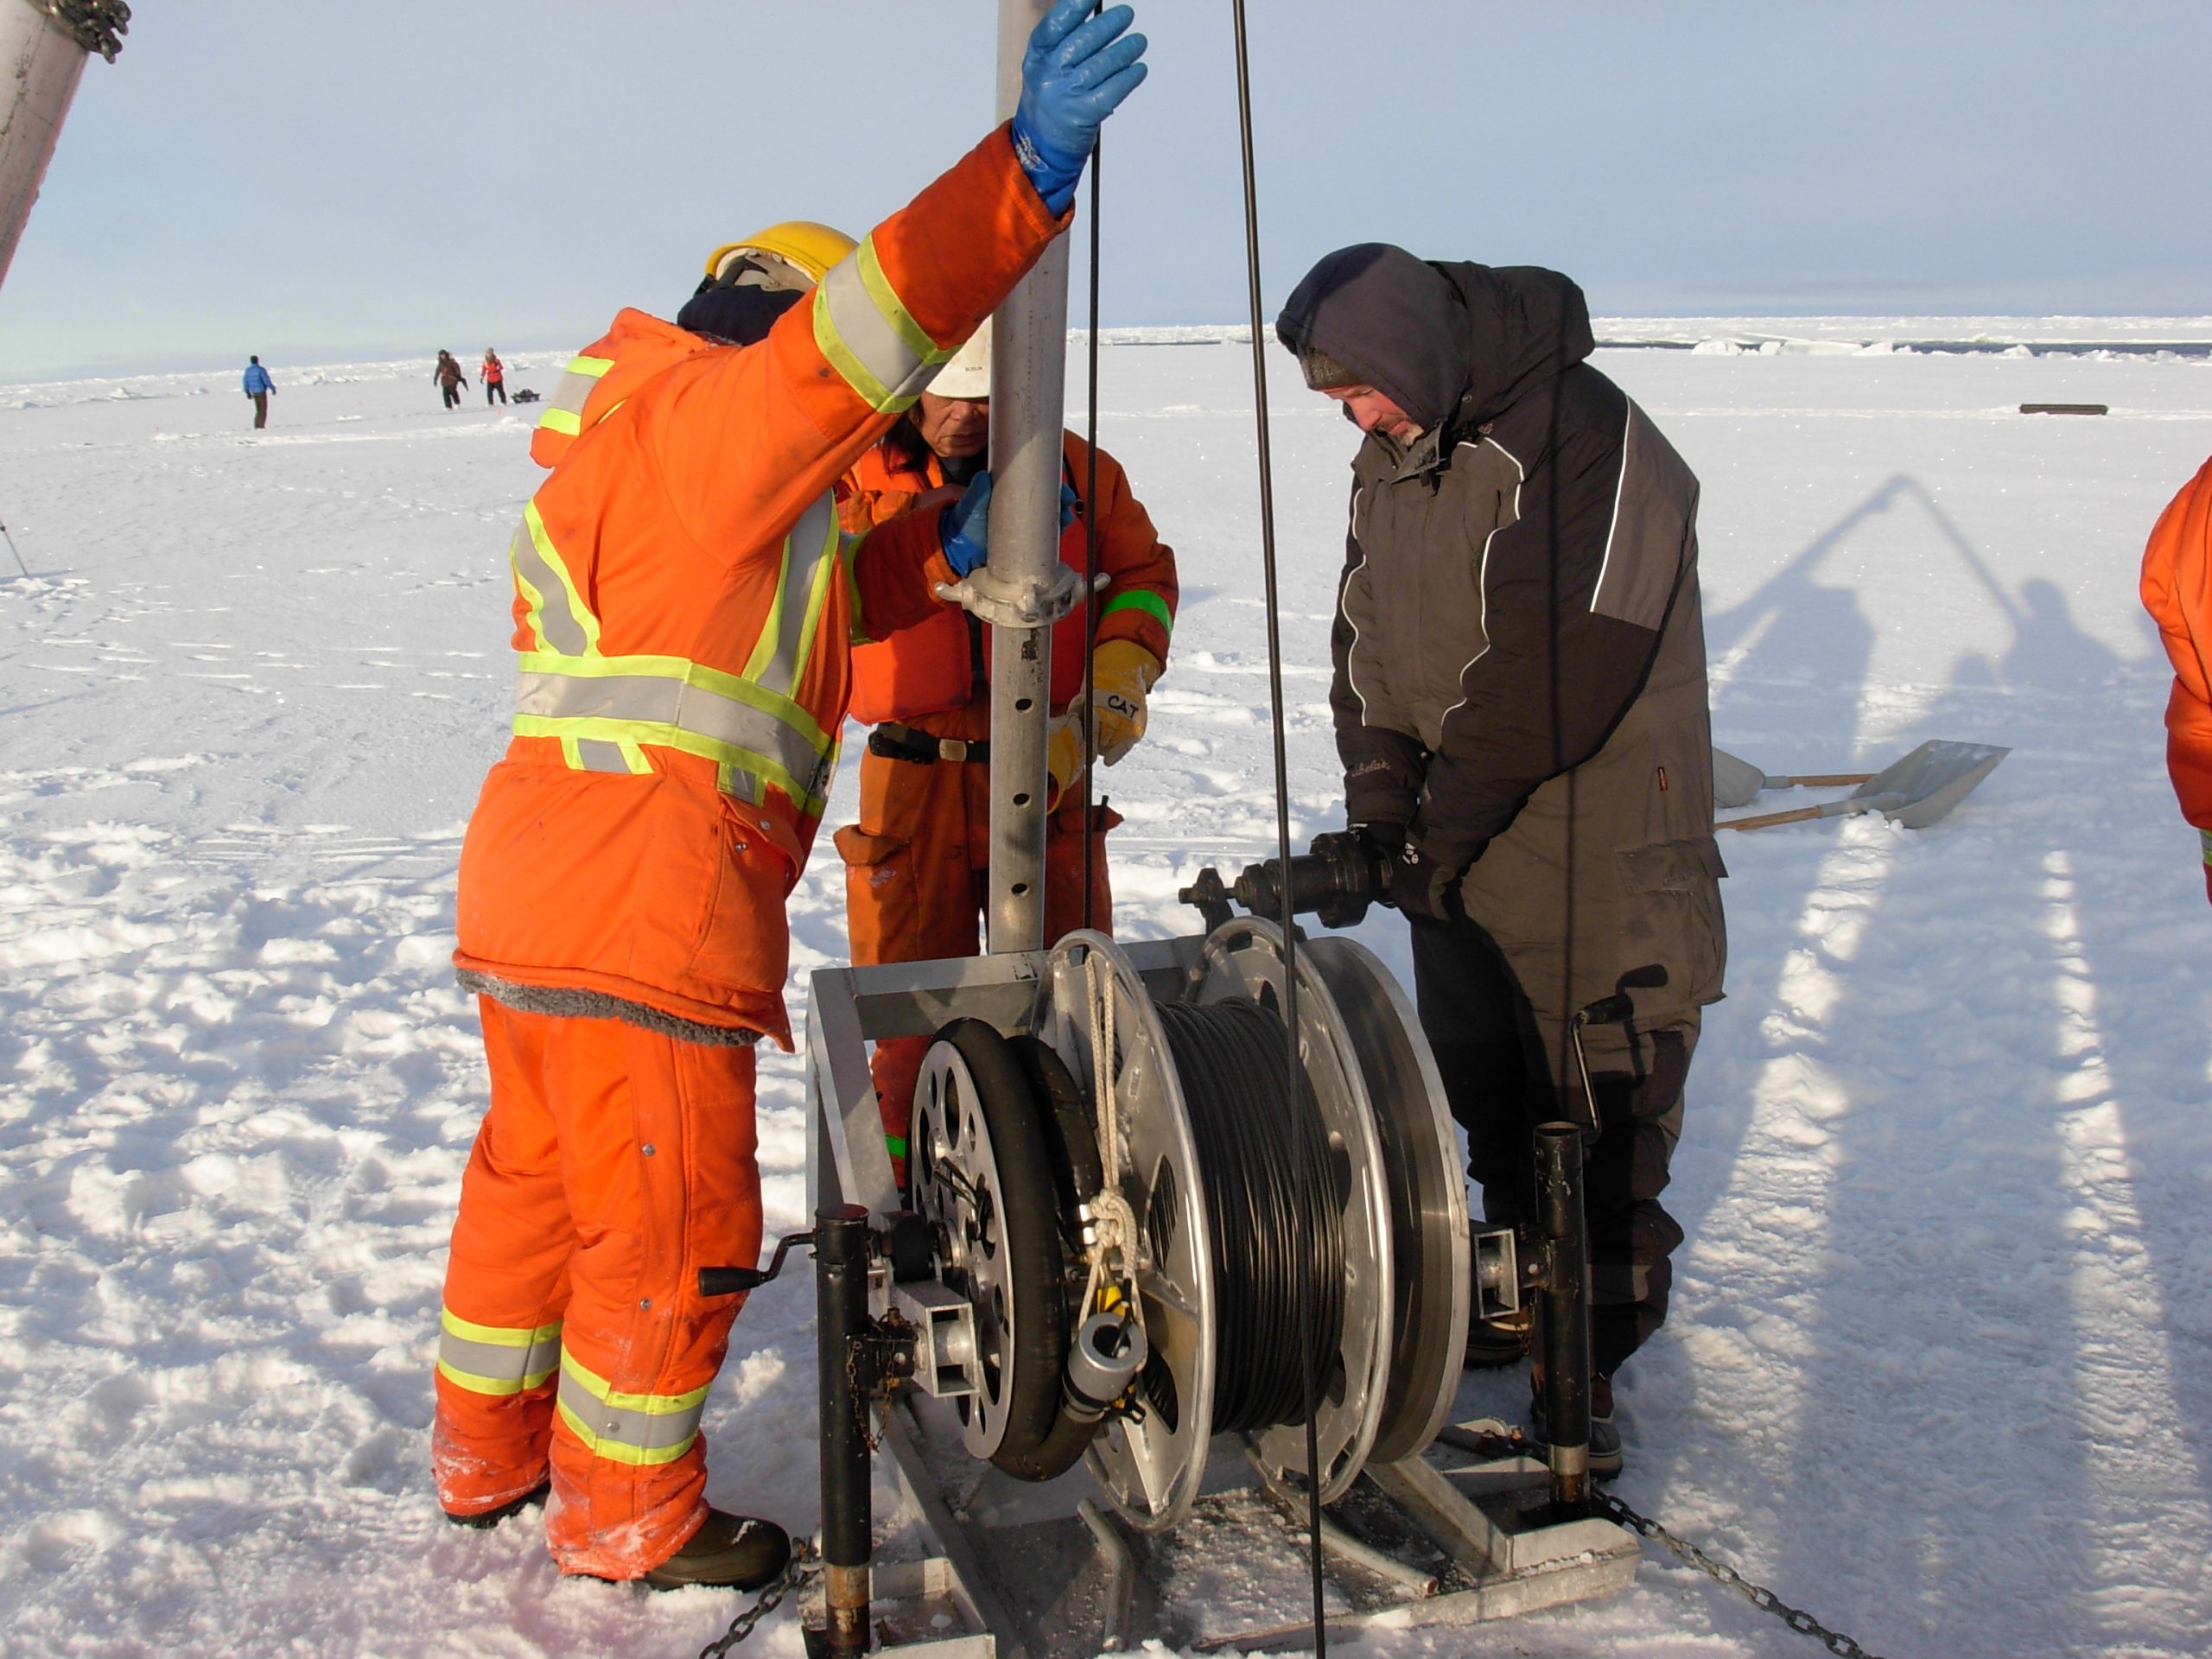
731	1281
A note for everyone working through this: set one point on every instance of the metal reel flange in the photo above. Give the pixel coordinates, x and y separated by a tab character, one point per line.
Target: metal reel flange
1150	1468
1434	1280
983	1180
1242	959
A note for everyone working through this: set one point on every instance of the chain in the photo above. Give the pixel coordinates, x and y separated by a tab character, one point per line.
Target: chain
96	25
1803	1623
801	1572
1513	1443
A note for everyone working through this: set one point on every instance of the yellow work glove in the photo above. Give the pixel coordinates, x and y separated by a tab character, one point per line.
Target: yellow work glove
1122	672
1062	754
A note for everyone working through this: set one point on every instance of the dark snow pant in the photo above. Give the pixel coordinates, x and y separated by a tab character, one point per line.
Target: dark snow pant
453	397
1485	1035
494	389
260	409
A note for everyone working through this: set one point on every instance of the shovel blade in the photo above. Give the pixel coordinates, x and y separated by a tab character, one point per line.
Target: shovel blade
1933	779
1735	782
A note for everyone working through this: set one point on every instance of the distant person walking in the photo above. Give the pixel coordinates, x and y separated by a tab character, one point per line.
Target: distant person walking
261	388
449	378
495	378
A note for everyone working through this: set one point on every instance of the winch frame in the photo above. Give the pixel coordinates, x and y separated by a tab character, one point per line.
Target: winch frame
972	1562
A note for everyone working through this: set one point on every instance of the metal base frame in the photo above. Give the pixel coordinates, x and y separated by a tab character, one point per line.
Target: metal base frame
971	1564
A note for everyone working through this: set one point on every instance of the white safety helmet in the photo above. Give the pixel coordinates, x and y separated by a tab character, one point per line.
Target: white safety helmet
968	372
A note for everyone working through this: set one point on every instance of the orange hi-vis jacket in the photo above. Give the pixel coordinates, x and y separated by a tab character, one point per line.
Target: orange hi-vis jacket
683	609
926	670
2178	592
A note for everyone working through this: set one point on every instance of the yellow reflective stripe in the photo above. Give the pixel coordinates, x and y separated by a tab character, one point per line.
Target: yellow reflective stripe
808	788
779	656
559	620
561	420
564	410
632	1428
591	367
849	553
499	1335
869	337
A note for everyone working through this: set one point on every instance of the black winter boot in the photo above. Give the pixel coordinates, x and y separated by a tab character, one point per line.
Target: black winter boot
730	1551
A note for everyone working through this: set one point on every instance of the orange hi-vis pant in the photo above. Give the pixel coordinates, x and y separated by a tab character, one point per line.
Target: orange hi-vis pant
614	1163
917	879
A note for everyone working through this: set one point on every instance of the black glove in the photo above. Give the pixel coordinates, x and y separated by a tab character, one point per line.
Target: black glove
1420	887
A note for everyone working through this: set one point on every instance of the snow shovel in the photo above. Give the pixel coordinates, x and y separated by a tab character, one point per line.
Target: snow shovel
1736	782
1915	792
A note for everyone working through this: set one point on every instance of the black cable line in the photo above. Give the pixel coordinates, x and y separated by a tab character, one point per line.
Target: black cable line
1314	1178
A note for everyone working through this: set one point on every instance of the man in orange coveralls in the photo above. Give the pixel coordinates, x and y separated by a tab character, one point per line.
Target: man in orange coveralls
684	604
2178	592
917	864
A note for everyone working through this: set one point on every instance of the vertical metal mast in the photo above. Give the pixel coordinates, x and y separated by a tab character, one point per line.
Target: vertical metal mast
1028	377
42	62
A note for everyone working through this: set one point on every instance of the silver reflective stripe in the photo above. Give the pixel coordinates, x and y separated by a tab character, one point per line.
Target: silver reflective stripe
595	754
513	1369
553	609
810	559
888	364
667	1433
564	410
654	701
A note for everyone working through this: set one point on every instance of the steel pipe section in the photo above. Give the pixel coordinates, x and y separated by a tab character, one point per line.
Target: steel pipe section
1028	391
41	65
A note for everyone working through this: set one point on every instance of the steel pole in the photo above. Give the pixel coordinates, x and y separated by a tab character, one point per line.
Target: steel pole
43	67
1564	1307
1028	391
841	1250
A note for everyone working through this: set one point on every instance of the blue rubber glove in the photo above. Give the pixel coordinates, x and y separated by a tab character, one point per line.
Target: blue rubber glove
1073	76
964	529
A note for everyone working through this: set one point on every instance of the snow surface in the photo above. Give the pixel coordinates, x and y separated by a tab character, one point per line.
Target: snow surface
1937	1367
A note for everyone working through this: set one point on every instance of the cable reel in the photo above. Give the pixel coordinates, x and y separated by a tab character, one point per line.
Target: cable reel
1128	1199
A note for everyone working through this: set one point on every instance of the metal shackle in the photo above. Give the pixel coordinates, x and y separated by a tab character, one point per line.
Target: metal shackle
1103	1360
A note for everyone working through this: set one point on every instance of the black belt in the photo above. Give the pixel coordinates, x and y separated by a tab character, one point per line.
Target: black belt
896	742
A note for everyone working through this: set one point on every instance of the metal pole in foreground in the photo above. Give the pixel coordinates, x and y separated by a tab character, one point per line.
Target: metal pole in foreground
841	1249
1028	389
45	64
1564	1311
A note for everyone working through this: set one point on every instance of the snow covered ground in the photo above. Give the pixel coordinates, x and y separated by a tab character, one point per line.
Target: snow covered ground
1940	1365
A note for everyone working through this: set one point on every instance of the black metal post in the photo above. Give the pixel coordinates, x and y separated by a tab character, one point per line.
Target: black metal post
841	1253
1564	1311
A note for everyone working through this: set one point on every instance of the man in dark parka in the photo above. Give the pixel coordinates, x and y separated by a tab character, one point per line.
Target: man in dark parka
1521	709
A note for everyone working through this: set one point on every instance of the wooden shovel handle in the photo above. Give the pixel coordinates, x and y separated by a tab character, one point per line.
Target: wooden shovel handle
1831	780
1796	814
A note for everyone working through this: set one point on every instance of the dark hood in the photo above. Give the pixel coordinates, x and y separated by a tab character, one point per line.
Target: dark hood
1435	338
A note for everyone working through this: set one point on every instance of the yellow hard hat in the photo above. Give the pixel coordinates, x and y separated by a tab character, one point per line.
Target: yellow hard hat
797	253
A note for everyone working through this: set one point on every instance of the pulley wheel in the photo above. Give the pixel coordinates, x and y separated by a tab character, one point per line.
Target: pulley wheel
1149	1467
983	1181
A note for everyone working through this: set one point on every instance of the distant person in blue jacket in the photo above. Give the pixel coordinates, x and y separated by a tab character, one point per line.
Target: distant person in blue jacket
261	388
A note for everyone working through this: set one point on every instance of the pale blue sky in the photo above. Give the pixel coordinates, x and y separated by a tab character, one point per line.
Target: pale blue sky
344	178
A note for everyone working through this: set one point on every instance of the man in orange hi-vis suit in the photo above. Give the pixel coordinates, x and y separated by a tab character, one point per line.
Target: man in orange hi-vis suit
684	605
917	863
2178	592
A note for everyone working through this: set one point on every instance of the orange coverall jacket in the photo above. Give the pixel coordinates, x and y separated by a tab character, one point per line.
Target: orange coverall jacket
916	861
2178	592
683	606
